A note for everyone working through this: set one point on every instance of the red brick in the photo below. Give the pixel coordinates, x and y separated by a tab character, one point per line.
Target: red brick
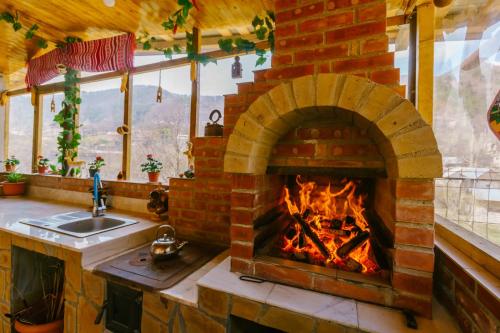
279	5
415	190
242	233
242	216
242	250
286	275
290	73
246	200
472	308
421	261
326	23
324	53
380	44
414	236
242	266
243	181
415	213
299	42
352	65
306	150
352	290
285	30
419	285
279	60
389	76
374	12
354	32
324	68
490	301
298	13
336	4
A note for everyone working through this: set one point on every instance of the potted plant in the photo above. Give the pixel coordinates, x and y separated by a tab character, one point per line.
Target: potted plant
14	185
153	167
45	315
96	165
11	164
43	165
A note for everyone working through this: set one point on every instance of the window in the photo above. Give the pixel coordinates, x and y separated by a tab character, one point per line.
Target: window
21	117
161	129
216	81
101	113
466	80
400	47
50	129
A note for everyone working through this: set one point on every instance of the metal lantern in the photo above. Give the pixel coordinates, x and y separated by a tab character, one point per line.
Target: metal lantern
159	92
236	69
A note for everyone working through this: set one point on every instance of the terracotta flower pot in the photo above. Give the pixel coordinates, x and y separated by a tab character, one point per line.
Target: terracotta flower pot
10	167
42	170
153	177
53	327
10	189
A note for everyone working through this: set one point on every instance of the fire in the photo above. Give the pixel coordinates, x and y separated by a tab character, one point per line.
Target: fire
329	227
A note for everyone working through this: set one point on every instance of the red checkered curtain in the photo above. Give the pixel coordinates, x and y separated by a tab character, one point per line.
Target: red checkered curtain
102	55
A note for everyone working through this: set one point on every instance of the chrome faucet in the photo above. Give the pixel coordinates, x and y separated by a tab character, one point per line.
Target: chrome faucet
99	208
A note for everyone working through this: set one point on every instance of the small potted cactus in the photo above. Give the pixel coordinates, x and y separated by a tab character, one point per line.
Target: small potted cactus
11	164
42	165
153	167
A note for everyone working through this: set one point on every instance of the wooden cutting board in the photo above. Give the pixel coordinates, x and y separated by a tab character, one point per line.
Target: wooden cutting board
138	268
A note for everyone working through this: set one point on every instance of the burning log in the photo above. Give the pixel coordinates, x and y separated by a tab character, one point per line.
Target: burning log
353	244
352	265
311	235
349	220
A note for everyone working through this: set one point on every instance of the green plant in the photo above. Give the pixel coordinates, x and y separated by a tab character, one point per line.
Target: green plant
42	161
151	164
97	164
11	161
15	177
16	26
68	139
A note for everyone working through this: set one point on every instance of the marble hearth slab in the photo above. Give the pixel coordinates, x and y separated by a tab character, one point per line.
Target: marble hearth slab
344	311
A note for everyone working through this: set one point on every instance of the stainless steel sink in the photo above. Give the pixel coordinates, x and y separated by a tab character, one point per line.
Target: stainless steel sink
79	224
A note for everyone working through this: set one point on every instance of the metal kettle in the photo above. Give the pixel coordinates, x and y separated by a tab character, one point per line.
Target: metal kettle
165	246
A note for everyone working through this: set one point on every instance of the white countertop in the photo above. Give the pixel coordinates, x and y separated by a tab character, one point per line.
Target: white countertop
93	248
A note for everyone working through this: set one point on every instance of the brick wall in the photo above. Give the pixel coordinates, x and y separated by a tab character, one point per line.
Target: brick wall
475	308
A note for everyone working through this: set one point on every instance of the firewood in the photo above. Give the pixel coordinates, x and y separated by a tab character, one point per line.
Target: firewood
311	235
352	265
349	220
353	244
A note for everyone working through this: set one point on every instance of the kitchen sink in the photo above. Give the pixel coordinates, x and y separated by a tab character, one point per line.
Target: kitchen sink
79	224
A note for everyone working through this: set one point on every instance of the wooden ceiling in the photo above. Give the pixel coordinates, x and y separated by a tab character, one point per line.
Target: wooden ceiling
91	19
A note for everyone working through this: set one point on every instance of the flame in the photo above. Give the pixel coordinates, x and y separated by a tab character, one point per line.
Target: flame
335	216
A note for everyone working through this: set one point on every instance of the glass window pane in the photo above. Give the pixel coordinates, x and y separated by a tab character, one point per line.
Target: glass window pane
161	129
216	81
21	117
50	129
101	113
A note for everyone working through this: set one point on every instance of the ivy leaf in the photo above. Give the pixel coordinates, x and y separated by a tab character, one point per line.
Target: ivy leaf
257	21
168	25
244	44
270	40
260	52
78	100
261	33
269	24
42	43
177	48
17	26
146	45
31	32
168	53
270	14
8	17
261	60
226	45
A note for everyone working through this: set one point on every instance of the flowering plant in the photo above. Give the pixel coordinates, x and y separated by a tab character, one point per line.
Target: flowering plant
151	164
97	164
11	161
42	161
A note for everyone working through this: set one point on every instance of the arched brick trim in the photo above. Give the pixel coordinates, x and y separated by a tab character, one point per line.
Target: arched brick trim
411	149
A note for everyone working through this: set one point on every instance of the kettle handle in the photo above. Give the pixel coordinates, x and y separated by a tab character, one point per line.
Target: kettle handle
165	226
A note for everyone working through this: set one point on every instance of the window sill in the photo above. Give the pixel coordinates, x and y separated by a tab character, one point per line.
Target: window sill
477	250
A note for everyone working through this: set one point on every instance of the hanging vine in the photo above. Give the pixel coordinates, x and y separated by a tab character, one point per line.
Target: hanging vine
263	26
68	139
30	33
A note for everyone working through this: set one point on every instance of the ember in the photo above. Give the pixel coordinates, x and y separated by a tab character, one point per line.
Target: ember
328	227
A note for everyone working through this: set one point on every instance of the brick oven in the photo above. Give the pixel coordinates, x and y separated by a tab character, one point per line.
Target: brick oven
332	169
